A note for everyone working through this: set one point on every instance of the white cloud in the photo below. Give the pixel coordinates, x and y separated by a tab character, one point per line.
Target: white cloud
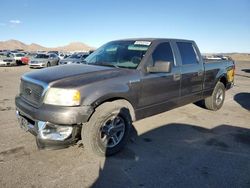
15	21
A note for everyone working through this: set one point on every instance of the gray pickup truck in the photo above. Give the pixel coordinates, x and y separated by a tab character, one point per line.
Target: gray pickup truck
121	82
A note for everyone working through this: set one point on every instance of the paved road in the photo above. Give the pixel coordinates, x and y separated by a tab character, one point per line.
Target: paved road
185	147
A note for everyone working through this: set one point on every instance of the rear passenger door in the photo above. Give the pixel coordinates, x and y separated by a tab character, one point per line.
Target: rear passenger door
192	71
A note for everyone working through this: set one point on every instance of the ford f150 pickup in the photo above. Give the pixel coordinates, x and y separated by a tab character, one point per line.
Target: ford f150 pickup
121	82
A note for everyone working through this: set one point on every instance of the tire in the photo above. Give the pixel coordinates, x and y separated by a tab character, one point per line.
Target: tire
99	135
18	63
48	64
216	100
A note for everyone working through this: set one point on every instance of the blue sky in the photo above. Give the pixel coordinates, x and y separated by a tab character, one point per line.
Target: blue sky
216	25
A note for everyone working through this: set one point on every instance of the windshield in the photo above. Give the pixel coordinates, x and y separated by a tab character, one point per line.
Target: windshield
9	55
40	56
31	54
125	54
19	55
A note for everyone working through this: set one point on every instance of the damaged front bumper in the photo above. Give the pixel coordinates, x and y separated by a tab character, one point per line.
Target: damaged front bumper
54	126
49	135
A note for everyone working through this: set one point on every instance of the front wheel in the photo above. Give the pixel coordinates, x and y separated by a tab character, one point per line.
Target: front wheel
107	131
216	101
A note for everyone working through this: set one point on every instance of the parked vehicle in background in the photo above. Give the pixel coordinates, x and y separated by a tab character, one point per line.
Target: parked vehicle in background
25	60
18	57
53	52
76	58
41	52
44	60
7	60
28	57
122	81
2	54
63	55
216	57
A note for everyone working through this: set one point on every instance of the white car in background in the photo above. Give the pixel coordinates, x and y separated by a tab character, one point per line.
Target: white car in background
7	60
18	57
63	55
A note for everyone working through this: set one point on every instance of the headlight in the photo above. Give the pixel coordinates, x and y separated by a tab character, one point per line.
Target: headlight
63	97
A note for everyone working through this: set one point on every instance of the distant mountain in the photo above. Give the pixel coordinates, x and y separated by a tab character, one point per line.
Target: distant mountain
15	44
12	44
34	47
75	46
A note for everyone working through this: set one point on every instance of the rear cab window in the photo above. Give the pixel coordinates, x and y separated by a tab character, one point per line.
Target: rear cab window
188	53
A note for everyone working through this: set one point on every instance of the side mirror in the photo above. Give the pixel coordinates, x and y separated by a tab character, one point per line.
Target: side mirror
160	67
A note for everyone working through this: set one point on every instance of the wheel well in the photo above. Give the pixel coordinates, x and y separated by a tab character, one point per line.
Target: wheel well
122	101
224	81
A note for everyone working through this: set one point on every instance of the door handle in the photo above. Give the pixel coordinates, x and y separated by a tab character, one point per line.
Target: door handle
177	77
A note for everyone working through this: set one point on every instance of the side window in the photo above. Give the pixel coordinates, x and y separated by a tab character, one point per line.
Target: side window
163	52
188	54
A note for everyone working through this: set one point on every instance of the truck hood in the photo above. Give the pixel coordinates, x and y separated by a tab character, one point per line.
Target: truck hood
73	75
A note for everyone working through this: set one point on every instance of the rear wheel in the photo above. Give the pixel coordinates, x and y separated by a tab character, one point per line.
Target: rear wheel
108	129
216	101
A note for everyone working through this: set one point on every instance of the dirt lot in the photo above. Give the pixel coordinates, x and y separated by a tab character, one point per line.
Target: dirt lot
185	147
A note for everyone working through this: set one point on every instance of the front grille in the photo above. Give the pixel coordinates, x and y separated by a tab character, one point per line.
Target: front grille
7	60
31	92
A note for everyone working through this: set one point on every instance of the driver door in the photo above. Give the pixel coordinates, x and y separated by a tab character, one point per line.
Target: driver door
160	91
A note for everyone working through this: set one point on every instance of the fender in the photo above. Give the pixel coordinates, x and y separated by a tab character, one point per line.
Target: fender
221	76
111	92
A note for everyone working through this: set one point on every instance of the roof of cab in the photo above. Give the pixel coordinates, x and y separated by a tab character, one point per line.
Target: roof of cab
155	39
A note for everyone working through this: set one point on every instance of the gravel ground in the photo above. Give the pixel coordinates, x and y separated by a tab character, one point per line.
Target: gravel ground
185	147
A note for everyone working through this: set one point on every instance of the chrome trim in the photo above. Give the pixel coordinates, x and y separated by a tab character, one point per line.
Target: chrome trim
38	82
30	127
49	131
42	129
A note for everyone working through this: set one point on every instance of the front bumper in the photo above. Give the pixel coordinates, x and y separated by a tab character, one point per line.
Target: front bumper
46	137
53	126
5	64
37	65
